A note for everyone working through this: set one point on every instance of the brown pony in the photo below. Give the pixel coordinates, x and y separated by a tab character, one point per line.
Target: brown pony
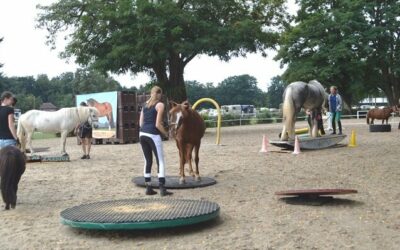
105	109
187	127
12	166
381	114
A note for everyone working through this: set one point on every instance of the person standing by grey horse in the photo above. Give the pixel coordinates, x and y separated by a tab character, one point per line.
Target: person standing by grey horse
335	108
8	135
84	132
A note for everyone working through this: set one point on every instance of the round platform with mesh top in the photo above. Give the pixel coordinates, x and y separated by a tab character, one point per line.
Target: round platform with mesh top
316	192
47	158
136	214
172	182
313	197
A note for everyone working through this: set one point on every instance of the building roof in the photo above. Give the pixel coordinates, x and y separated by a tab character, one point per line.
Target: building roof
48	106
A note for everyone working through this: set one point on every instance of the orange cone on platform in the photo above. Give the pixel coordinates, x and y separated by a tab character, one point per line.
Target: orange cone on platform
353	141
296	150
264	145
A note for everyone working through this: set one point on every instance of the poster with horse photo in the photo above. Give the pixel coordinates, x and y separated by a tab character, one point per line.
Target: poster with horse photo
106	103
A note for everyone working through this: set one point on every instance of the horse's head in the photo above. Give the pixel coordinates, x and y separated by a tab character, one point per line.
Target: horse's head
91	102
177	112
395	108
93	117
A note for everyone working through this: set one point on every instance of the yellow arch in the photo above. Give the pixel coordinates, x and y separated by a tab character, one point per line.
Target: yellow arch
219	115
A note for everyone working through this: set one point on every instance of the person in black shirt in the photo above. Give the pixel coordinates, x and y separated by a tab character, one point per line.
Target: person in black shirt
84	132
151	129
8	135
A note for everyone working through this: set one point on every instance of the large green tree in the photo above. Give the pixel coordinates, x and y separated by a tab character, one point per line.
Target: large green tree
61	90
381	43
90	81
240	89
275	92
1	65
161	37
353	44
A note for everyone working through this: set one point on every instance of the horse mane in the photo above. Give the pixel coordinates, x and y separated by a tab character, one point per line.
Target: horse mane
91	101
83	113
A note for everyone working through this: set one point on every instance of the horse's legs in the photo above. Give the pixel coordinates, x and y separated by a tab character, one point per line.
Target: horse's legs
284	136
23	143
63	141
314	132
291	130
109	121
196	160
181	164
29	141
189	149
288	128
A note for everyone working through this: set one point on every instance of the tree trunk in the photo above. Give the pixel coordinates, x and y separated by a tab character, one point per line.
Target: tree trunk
390	86
176	89
173	85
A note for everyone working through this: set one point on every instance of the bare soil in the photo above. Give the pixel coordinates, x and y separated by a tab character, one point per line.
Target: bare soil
252	217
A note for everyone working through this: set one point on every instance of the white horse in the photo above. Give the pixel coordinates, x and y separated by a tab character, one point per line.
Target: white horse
64	120
310	96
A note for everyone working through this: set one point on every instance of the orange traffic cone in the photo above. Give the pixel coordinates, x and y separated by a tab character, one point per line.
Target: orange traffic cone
296	150
264	144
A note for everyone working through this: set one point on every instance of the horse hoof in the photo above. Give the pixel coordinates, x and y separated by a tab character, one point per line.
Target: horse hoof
198	178
182	181
65	155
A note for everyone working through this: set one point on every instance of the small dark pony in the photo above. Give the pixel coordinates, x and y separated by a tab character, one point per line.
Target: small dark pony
187	127
12	166
381	114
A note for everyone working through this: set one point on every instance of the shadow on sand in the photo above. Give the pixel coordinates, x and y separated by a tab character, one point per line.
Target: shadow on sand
321	201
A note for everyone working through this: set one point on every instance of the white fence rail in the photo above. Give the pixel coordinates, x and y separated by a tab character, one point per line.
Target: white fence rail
242	121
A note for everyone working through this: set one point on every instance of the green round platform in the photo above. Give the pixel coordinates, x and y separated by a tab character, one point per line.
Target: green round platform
172	182
136	214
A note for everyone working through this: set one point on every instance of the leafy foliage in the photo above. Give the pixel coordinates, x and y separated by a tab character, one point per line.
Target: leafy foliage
161	37
1	65
60	90
275	92
353	44
240	89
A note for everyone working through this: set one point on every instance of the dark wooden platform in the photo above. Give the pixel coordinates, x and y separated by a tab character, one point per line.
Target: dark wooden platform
307	142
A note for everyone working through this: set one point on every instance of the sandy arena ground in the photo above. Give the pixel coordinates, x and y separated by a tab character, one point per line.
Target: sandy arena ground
252	217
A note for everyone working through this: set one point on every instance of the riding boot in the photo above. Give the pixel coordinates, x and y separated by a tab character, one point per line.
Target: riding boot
149	189
333	128
340	127
163	191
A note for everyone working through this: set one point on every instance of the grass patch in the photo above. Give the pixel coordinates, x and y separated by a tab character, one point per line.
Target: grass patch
40	135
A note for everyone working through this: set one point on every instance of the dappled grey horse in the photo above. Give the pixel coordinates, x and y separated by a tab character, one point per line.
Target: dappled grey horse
310	96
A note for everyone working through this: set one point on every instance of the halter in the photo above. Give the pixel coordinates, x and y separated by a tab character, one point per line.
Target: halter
174	124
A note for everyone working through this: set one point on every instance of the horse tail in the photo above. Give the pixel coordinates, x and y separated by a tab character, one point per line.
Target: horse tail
21	134
288	111
368	117
12	166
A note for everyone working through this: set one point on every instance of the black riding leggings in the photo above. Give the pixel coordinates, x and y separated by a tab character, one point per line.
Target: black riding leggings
152	144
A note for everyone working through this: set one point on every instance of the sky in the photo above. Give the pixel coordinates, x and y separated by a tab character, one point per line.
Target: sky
23	52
